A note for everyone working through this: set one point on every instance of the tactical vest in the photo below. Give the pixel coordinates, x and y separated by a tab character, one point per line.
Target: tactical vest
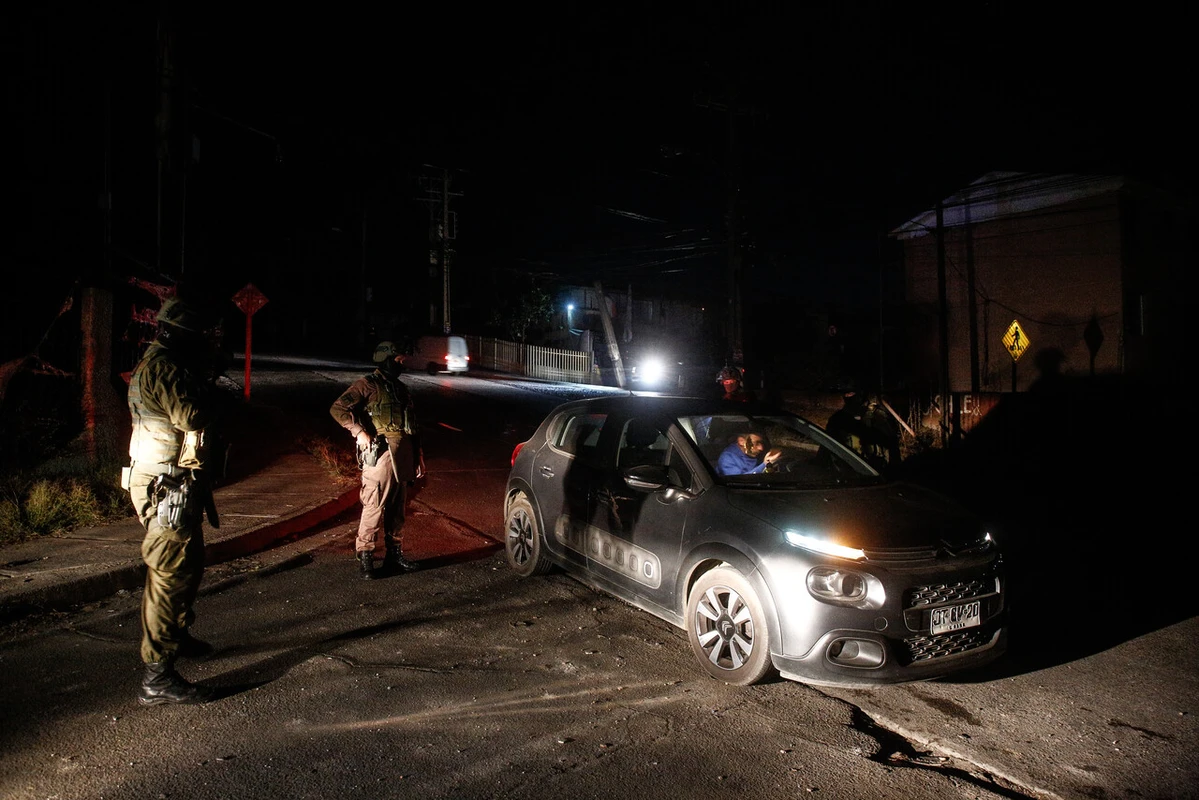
388	413
155	440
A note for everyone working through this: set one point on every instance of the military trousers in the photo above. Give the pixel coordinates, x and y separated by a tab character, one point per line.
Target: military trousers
174	568
383	498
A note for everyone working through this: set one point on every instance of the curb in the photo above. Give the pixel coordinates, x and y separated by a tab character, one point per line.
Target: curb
128	575
131	574
260	538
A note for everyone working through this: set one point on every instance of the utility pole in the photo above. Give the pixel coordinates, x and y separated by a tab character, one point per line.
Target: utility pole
972	302
610	335
732	216
442	229
445	262
165	123
364	287
99	403
943	328
736	278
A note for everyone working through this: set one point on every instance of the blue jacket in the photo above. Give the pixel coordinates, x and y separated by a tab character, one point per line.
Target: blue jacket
734	461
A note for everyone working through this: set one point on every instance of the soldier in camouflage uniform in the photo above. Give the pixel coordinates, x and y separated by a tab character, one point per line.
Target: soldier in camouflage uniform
863	425
377	411
174	456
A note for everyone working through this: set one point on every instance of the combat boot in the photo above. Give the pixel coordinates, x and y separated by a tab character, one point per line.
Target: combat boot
161	684
367	560
394	561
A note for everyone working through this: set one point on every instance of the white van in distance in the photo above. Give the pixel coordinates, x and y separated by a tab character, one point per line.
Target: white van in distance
436	354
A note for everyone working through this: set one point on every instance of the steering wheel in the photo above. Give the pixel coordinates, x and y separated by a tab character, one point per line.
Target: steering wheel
785	463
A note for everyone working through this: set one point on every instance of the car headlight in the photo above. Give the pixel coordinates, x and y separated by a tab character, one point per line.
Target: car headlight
653	370
846	587
836	585
819	544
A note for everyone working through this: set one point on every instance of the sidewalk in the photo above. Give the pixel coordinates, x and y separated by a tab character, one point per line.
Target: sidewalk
275	490
288	492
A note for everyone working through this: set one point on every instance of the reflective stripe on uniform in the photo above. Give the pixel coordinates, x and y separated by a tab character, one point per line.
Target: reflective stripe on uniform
154	440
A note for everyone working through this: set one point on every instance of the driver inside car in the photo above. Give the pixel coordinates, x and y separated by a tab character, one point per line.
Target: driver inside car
748	455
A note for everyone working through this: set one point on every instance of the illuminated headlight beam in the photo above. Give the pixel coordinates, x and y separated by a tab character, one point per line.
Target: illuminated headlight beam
821	545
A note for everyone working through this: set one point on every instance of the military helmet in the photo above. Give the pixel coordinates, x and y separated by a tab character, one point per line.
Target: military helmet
385	351
728	374
178	313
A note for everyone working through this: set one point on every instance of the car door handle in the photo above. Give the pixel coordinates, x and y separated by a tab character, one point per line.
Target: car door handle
547	471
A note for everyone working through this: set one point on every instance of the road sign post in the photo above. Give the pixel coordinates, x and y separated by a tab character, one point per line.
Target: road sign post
249	300
1016	343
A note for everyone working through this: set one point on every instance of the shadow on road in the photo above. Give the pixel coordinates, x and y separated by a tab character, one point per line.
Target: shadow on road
260	673
1081	477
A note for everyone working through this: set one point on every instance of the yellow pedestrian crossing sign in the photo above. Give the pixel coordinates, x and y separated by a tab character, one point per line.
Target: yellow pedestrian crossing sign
1015	341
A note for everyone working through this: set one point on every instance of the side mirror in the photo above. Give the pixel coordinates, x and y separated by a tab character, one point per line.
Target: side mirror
647	478
653	478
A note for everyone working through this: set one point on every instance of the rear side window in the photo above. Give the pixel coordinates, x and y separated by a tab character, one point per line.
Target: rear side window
579	434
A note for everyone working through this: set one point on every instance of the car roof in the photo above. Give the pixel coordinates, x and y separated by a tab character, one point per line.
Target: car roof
666	406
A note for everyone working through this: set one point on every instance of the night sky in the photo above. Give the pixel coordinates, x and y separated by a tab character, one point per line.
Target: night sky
588	144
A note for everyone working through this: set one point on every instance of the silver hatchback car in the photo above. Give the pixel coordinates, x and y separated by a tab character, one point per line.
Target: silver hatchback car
773	546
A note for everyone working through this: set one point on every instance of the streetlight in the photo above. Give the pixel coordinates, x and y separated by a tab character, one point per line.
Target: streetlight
570	307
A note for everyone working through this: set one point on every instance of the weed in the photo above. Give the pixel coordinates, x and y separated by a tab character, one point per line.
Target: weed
56	499
336	459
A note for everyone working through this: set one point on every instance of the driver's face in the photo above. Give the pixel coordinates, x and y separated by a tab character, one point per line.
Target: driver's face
753	445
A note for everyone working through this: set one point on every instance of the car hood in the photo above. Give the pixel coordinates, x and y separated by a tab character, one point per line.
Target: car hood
886	517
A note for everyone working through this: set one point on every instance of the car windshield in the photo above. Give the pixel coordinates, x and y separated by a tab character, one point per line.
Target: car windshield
773	451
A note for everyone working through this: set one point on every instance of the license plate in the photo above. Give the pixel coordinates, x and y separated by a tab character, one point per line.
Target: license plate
955	618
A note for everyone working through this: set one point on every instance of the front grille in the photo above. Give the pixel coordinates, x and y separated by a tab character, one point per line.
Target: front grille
937	593
895	555
925	648
921	600
943	549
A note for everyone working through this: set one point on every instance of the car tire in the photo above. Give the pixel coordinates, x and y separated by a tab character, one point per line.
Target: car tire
726	626
431	368
523	546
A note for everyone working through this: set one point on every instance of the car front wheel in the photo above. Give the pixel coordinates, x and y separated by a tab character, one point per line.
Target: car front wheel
522	540
726	626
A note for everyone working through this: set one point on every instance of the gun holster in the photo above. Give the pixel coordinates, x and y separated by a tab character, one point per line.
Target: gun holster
181	499
175	496
369	456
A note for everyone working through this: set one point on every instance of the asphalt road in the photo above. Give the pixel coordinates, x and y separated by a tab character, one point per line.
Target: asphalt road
462	681
459	681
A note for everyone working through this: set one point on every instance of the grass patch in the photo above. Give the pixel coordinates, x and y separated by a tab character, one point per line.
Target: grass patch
337	459
59	498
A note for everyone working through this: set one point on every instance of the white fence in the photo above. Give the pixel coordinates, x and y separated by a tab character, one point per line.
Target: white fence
548	363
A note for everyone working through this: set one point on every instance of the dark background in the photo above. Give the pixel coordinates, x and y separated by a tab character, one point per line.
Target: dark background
586	145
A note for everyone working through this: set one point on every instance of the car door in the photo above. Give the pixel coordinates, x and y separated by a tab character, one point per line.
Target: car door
635	537
564	474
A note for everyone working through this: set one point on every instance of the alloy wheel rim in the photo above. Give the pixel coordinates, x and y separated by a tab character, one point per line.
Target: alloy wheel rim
725	628
520	538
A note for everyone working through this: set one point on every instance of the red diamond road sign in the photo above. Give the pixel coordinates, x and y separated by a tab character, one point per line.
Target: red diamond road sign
249	299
